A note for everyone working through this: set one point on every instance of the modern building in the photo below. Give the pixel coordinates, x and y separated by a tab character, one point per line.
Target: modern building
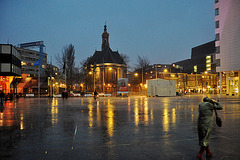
10	66
29	57
227	24
28	82
202	59
106	67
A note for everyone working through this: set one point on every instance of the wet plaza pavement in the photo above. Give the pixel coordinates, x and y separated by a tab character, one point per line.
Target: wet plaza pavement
112	128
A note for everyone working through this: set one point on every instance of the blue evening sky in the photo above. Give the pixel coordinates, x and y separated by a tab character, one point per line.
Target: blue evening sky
164	31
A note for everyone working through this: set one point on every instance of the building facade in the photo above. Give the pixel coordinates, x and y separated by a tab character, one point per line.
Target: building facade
203	58
227	35
29	57
187	83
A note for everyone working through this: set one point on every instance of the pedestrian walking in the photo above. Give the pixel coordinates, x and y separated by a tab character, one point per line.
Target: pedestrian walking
2	95
205	121
63	95
66	94
95	94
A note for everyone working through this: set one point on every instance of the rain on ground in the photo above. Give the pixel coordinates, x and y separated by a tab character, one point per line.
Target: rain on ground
138	127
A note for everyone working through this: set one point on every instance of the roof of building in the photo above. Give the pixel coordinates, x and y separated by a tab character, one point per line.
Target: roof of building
106	56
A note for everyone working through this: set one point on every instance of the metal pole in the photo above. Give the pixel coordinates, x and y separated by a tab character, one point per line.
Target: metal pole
51	91
65	78
238	82
220	83
103	80
156	71
40	68
142	78
39	82
94	79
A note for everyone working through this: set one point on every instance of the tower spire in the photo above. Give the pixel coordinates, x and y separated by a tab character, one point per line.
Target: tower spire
105	37
105	27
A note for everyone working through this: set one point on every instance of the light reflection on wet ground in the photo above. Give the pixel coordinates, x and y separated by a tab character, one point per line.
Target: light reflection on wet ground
114	128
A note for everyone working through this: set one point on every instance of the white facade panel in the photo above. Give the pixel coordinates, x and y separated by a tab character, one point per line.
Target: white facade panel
6	49
161	87
229	29
5	67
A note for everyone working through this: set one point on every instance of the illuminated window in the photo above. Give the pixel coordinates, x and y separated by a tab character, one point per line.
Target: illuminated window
208	63
23	63
195	68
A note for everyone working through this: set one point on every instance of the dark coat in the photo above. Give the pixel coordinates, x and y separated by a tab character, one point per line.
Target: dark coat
2	95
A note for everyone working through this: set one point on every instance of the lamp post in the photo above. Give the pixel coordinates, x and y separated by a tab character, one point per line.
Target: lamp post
156	71
94	68
142	75
93	80
110	79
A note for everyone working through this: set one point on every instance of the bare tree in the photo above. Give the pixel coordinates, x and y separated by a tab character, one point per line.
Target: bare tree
67	59
142	68
142	62
125	58
85	68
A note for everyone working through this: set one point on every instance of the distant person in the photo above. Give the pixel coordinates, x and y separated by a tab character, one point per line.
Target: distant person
95	94
66	95
205	121
63	95
2	95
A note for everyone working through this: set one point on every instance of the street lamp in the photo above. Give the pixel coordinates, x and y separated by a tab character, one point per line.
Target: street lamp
93	79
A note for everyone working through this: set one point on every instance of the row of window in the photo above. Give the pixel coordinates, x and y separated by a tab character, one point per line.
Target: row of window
217	25
33	53
32	60
26	70
8	49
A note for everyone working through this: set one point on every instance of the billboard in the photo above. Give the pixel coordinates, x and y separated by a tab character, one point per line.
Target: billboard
122	85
